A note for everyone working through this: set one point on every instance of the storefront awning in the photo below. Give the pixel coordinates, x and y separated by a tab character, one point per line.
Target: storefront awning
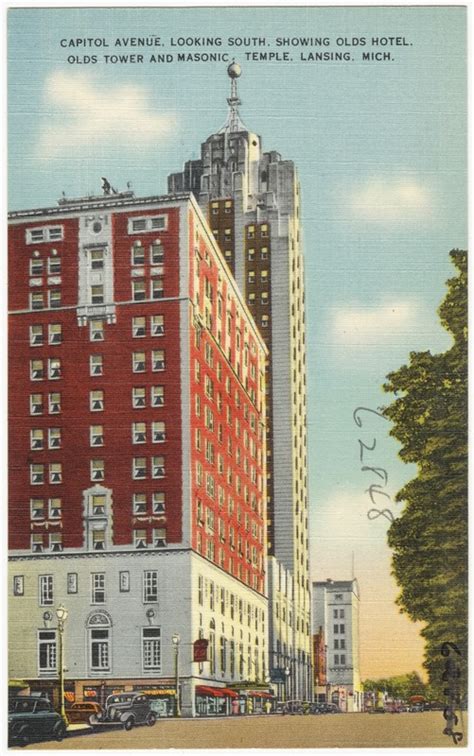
18	684
229	692
204	690
260	694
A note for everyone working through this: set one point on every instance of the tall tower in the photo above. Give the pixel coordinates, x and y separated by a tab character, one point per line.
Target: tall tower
252	201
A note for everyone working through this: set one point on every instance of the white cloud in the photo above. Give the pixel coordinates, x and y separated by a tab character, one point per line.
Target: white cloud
82	113
391	199
371	326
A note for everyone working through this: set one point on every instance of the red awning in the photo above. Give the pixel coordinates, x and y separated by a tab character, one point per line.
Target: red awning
229	692
260	694
204	690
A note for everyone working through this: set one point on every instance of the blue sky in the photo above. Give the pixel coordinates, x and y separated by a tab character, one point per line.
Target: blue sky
381	153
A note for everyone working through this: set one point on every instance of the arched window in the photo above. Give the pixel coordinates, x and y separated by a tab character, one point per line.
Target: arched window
99	642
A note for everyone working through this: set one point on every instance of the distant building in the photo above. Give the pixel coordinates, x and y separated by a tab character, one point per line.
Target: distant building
336	620
319	661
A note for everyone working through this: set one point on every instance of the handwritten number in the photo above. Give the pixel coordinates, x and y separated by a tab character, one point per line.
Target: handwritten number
378	487
377	471
372	514
363	446
358	421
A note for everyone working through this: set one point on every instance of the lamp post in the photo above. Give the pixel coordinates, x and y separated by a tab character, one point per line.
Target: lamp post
61	614
176	641
287	672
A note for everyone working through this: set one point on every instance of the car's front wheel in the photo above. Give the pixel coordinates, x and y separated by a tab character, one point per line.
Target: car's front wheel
128	724
23	737
151	719
59	731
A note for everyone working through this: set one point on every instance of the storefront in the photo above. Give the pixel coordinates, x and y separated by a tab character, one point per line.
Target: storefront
212	702
262	702
162	699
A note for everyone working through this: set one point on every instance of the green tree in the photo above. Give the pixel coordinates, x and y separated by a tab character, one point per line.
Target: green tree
429	539
399	686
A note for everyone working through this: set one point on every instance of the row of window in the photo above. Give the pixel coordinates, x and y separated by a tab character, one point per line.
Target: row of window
155	288
44	234
340	660
52	266
51	438
48	368
156	253
39	300
264	298
141	290
99	650
97	399
228	602
98	583
142	539
53	472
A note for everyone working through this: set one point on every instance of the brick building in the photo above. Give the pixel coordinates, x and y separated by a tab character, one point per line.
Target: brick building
137	453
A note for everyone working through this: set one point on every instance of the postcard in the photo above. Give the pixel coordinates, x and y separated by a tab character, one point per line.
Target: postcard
237	377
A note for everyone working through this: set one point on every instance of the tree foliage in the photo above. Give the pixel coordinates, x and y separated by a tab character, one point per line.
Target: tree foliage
398	687
429	539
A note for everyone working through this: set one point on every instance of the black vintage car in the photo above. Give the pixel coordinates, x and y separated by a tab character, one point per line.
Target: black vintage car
125	710
31	718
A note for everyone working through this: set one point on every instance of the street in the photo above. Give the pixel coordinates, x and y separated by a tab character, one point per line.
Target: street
276	731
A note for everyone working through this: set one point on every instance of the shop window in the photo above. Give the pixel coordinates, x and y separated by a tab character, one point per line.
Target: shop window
47	652
151	649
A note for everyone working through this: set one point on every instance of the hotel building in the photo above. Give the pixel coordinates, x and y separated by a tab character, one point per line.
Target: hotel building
137	488
251	199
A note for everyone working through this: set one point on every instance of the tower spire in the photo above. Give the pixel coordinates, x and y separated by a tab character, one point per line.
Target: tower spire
233	122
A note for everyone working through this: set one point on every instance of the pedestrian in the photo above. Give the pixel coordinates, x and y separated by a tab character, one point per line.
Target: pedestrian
235	706
249	706
268	707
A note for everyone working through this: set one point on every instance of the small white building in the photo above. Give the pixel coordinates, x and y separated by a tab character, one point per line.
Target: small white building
336	611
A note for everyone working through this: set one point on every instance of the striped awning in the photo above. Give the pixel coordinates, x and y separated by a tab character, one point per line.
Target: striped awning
206	690
229	692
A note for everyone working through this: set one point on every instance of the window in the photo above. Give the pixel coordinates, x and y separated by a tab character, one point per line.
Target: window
97	505
98	588
97	294
44	234
124	581
37	301
56	472
71	582
54	368
36	266
56	542
138	362
158	467
36	335
251	276
139	539
37	370
55	507
157	291
157	254
55	333
96	330
138	327
37	543
98	540
342	629
99	640
138	398
46	590
158	360
250	232
139	468
159	537
138	433
343	660
36	475
139	503
341	613
54	298
37	510
336	643
54	438
138	291
264	297
151	649
336	613
47	651
264	229
265	320
96	364
37	438
54	265
150	586
96	435
97	469
336	629
36	404
342	643
96	399
158	432
157	396
264	276
158	502
147	223
138	253
157	325
18	585
54	403
96	257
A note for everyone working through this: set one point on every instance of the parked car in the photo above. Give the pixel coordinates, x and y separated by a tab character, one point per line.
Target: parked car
33	718
125	710
377	710
81	712
416	707
293	707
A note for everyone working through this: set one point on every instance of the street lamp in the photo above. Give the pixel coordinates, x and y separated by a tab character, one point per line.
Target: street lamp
176	641
287	672
61	614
